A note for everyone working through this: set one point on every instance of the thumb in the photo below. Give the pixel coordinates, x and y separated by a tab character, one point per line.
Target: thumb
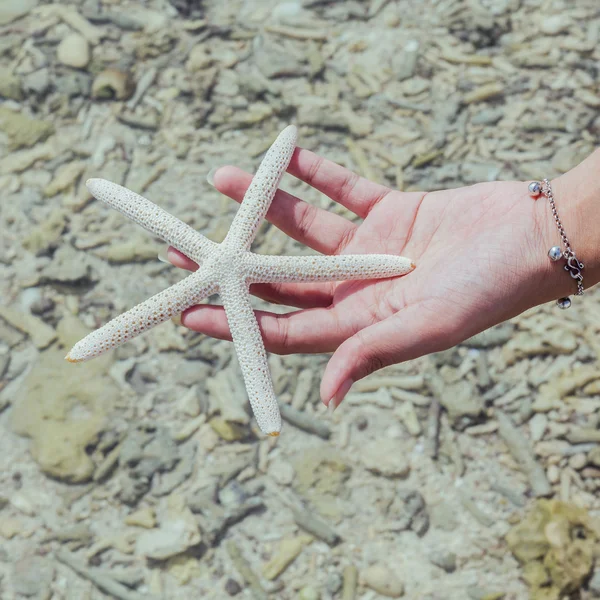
408	334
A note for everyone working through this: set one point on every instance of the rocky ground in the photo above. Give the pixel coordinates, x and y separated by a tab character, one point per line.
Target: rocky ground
140	474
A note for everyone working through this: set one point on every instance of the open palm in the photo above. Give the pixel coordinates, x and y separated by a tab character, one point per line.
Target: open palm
471	247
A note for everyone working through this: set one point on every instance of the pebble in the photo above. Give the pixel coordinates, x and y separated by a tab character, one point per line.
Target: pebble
10	85
443	516
33	576
444	560
554	24
407	414
145	517
386	457
232	587
382	580
10	10
281	471
537	426
171	538
284	556
553	474
74	51
9	527
309	593
578	461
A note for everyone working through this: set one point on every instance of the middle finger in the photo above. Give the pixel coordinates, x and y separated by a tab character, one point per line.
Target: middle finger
310	225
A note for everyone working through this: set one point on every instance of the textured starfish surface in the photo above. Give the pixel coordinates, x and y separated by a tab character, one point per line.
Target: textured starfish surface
228	268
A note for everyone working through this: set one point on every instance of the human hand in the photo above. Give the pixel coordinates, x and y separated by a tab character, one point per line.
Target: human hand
480	253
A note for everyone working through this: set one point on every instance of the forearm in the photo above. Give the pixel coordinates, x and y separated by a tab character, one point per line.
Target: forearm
577	197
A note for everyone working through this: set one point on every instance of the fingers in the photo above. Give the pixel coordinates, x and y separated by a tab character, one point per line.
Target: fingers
180	260
308	224
299	295
311	331
341	185
404	336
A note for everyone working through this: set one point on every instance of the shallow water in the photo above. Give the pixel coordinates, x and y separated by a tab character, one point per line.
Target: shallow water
146	462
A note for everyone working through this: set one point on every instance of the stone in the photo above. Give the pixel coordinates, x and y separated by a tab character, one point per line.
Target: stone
33	576
382	580
273	61
37	82
137	249
232	587
281	471
63	414
443	516
309	593
408	415
10	85
145	517
68	266
146	450
386	457
228	430
171	538
178	531
464	404
41	334
73	51
415	85
560	536
65	177
488	116
47	234
284	556
444	560
9	527
23	131
554	24
537	426
11	10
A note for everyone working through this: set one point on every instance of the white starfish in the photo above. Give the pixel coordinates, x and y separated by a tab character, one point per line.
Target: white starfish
228	268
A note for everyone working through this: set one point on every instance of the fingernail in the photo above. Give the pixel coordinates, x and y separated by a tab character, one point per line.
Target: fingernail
340	395
210	177
163	254
176	319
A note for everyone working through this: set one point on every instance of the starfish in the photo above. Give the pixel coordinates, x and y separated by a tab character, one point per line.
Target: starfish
228	268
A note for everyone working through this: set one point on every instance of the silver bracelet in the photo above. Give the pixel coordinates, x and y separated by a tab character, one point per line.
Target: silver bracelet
572	266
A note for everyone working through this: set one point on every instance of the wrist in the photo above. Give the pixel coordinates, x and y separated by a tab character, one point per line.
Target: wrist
579	191
577	198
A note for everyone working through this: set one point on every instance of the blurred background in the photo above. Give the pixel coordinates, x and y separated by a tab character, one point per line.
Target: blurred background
141	473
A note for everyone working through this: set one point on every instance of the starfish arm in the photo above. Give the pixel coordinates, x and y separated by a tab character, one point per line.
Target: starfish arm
144	316
261	191
153	218
251	354
344	267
